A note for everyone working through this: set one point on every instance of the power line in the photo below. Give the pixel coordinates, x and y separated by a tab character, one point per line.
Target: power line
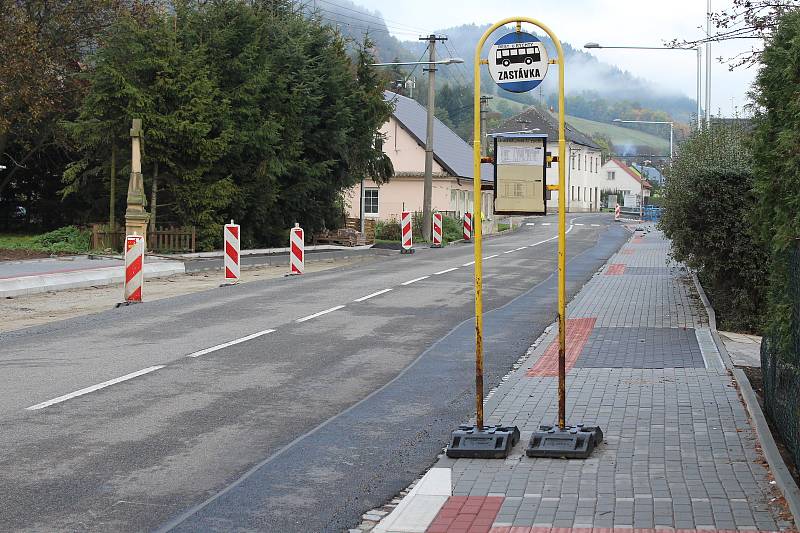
394	23
366	29
394	98
369	22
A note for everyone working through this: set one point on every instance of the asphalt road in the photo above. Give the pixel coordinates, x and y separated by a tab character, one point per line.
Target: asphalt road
320	414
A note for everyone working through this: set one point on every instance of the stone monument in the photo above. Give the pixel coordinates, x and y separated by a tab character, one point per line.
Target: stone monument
136	217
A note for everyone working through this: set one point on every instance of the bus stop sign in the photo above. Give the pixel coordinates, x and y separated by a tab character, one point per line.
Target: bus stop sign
518	62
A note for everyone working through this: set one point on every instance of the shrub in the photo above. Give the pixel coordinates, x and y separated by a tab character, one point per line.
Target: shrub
388	230
777	167
708	211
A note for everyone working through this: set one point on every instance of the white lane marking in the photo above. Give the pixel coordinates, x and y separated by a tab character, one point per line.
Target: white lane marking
315	315
579	224
520	248
490	256
509	251
595	225
368	296
409	282
93	388
445	271
468	264
530	223
545	223
551	238
231	343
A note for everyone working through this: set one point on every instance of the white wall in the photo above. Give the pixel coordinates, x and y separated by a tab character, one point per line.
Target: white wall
621	180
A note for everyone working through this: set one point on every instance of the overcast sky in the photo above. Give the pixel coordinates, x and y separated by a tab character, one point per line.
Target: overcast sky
610	22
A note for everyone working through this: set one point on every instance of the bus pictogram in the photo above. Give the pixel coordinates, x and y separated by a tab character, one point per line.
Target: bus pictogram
527	55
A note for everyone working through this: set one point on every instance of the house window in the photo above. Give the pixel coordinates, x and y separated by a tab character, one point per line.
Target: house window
596	165
370	201
579	194
611	174
579	161
586	161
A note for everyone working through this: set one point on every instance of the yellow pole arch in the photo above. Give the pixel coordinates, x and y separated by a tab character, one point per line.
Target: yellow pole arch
477	226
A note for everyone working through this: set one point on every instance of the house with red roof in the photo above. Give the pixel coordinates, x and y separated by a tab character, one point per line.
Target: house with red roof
617	176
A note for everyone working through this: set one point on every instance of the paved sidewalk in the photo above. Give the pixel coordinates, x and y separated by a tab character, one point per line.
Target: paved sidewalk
680	451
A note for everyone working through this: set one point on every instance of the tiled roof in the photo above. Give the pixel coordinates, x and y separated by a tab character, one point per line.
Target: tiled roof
633	173
540	122
449	150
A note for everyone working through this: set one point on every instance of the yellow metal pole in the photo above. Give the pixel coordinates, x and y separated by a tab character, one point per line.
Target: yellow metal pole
562	220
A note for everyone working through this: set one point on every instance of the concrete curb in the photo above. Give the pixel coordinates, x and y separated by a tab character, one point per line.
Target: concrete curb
211	263
25	285
783	478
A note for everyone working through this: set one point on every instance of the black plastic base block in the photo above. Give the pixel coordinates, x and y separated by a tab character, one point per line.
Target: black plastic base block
572	442
436	246
404	251
489	442
126	303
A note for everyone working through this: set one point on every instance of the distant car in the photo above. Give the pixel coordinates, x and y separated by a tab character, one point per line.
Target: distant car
19	212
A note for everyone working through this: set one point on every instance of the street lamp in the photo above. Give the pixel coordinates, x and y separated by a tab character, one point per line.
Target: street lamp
445	61
428	182
671	124
698	50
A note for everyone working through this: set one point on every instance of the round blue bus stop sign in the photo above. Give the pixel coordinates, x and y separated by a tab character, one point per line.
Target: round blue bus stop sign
518	62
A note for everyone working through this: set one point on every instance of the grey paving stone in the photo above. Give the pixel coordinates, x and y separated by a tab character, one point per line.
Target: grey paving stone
679	451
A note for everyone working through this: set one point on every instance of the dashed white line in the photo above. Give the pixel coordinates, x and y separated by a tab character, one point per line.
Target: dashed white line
445	271
509	251
530	223
315	315
551	238
409	282
490	256
231	343
545	223
579	224
596	225
93	388
368	296
468	264
520	248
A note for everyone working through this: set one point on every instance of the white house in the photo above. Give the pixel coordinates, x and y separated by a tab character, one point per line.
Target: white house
618	176
583	176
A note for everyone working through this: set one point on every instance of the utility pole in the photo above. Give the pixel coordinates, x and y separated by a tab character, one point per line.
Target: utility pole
428	187
708	63
484	112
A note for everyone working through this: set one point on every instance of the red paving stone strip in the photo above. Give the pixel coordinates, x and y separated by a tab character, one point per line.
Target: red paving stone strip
466	514
578	332
637	240
615	269
626	252
526	529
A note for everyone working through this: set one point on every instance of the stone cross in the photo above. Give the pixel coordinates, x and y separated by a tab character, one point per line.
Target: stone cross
136	217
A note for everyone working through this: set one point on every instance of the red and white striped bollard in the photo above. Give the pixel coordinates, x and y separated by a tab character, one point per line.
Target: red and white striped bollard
467	227
297	263
616	213
406	233
437	230
232	253
134	268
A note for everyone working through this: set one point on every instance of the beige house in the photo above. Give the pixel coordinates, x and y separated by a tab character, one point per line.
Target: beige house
618	176
584	180
404	143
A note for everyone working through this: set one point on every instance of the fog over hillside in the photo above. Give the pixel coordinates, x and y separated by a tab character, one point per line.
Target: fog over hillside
584	72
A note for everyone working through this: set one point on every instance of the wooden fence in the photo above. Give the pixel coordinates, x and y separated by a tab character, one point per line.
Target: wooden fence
169	239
